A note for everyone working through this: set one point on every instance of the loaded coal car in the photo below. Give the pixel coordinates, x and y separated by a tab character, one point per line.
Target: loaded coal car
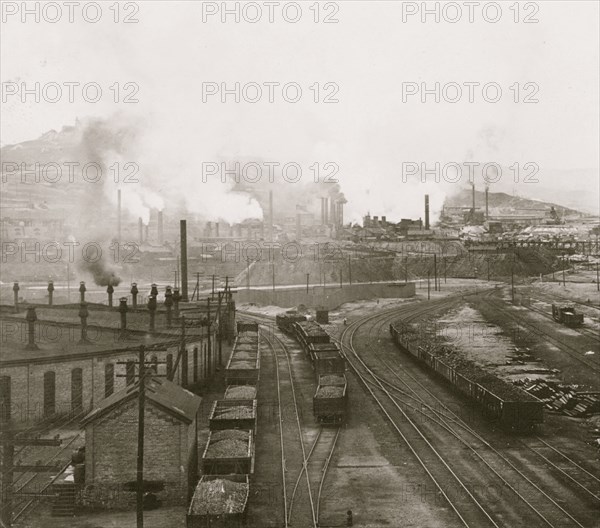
240	392
331	399
247	326
233	414
308	332
514	409
230	451
326	358
567	315
243	368
285	320
219	502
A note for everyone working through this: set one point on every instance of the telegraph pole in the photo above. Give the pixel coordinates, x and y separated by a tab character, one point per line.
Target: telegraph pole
428	285
435	279
247	273
307	279
140	453
208	337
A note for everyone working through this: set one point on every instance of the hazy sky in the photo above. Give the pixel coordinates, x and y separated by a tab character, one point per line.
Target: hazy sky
368	54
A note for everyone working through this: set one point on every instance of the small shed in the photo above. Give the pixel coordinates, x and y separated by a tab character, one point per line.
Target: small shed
170	445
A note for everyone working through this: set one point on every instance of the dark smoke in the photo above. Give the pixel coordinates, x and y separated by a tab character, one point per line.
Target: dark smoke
103	275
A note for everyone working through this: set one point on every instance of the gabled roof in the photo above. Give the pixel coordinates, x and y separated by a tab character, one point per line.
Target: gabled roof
166	395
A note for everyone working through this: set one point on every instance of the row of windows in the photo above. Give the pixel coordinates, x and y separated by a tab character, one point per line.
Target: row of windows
49	393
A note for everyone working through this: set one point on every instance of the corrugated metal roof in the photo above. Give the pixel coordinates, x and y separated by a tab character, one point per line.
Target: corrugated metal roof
165	394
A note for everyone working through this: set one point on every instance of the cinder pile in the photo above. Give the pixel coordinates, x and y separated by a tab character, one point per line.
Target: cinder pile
219	496
240	392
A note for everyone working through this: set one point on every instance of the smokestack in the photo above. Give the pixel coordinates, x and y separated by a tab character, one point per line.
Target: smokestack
140	230
208	229
271	216
326	210
146	231
160	228
384	221
487	190
426	212
322	210
332	217
341	213
217	229
184	263
119	215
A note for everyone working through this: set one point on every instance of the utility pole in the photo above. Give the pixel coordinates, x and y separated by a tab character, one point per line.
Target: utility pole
512	279
140	453
428	285
213	286
597	277
208	337
307	279
435	280
406	269
219	333
341	278
273	270
445	270
564	278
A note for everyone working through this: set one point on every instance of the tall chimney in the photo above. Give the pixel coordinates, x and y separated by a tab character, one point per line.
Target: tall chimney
146	232
271	216
119	215
341	213
160	228
184	263
216	229
322	211
332	217
208	229
326	210
140	230
473	197
426	212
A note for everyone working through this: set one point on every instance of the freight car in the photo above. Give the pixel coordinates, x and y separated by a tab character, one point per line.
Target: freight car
243	368
567	315
308	332
240	392
247	326
515	409
326	358
331	399
233	414
219	502
286	320
230	451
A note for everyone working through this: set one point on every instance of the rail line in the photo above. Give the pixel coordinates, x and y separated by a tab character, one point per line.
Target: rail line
443	419
562	345
288	508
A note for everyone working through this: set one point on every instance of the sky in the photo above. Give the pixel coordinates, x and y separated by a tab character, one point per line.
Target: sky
368	58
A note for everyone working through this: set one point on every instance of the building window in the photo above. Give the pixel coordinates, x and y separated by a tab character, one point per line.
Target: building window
77	390
109	379
49	393
130	372
5	399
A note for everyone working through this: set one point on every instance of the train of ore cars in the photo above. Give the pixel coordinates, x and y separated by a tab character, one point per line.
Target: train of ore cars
330	401
221	495
515	409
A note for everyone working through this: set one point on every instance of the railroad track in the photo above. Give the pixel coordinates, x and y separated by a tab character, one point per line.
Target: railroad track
569	349
539	503
314	465
291	464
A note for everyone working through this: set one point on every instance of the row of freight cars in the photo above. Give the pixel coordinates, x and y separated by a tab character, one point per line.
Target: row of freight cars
221	495
515	409
330	401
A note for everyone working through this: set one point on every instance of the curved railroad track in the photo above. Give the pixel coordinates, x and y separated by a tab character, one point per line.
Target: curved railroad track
539	503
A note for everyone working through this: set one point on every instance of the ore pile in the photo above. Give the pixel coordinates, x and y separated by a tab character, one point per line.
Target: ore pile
238	412
219	496
241	392
330	391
